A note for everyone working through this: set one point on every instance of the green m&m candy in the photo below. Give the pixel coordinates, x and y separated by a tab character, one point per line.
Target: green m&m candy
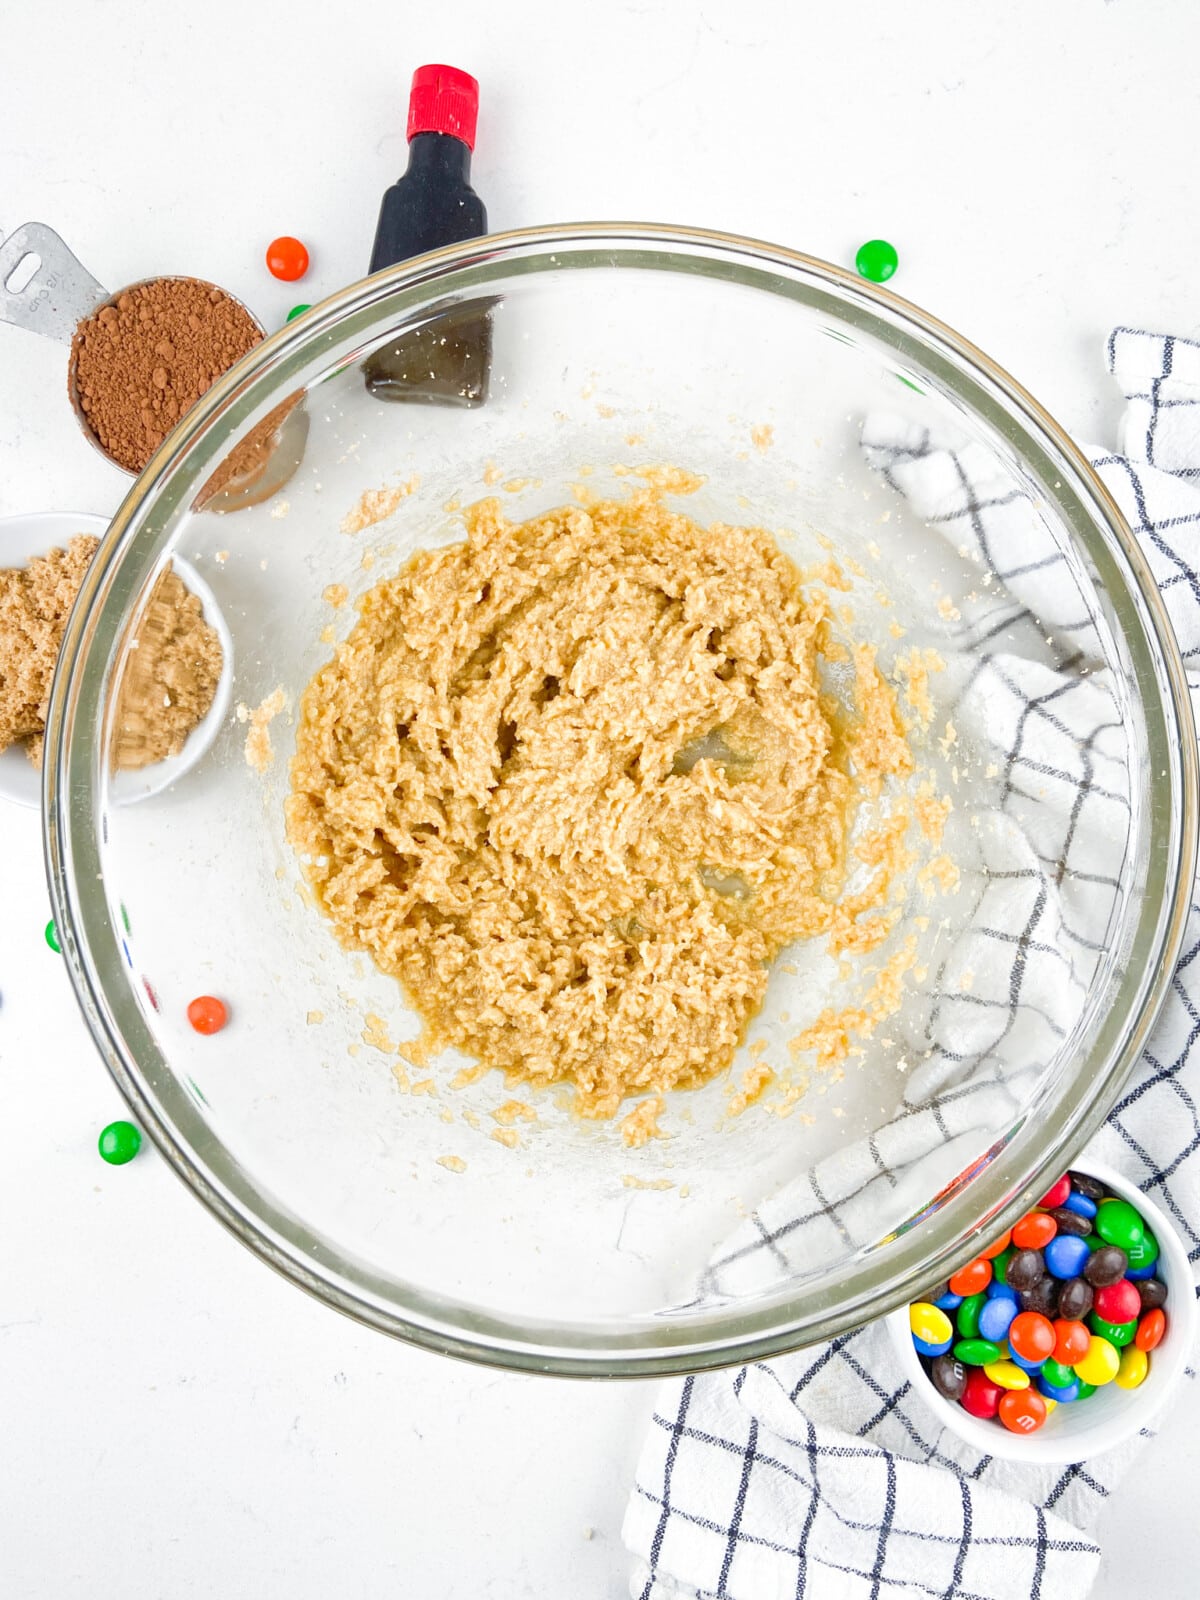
1000	1264
119	1143
52	937
1054	1372
1086	1390
976	1352
968	1315
876	260
1143	1252
1118	1223
1117	1333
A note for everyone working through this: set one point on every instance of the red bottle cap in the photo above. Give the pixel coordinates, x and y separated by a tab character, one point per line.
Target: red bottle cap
444	100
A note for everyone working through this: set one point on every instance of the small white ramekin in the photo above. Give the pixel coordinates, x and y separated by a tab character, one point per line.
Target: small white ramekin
1084	1428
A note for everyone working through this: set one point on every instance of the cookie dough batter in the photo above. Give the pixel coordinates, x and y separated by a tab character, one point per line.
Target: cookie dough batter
575	782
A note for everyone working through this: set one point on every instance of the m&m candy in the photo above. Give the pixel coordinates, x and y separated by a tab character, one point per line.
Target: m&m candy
207	1014
996	1317
1007	1374
1119	1224
1067	1255
949	1377
981	1397
876	260
1135	1364
1032	1336
1101	1363
1117	1302
1150	1330
1022	1411
1075	1299
932	1330
1065	1303
287	258
119	1143
1070	1341
1062	1394
1024	1269
968	1315
1035	1231
976	1275
977	1352
1057	1373
1105	1265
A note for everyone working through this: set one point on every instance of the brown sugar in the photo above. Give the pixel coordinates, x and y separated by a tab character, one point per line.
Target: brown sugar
169	681
35	602
139	362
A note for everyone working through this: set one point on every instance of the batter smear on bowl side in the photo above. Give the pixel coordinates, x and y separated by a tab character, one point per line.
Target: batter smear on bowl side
575	782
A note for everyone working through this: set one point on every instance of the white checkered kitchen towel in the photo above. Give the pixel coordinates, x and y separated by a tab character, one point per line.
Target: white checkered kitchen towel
820	1474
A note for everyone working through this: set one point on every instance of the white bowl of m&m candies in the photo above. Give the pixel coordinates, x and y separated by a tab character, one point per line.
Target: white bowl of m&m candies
1063	1336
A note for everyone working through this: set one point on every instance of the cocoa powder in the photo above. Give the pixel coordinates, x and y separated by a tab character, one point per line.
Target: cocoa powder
142	359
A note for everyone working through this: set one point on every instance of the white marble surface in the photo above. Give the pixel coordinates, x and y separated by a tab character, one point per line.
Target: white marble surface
175	1420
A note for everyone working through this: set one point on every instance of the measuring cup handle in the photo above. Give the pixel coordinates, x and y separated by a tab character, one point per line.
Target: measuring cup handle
59	293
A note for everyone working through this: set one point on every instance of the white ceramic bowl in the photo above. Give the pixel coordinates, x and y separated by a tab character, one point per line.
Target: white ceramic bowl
1080	1430
22	538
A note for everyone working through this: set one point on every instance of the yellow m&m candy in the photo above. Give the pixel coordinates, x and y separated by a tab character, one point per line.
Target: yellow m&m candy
1007	1374
1135	1364
1101	1364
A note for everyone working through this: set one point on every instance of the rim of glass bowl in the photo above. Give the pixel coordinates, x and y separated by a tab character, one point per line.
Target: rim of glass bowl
993	1192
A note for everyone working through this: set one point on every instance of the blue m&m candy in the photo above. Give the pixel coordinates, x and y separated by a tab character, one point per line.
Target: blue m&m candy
1002	1291
1066	1255
1064	1395
995	1316
1029	1366
1080	1204
948	1301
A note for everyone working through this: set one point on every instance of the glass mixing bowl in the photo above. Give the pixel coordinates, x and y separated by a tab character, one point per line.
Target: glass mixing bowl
384	1192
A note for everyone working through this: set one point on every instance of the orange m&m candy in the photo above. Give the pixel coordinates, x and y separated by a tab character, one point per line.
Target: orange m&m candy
1035	1231
971	1279
1150	1330
1031	1335
1022	1410
994	1249
207	1014
1071	1340
287	258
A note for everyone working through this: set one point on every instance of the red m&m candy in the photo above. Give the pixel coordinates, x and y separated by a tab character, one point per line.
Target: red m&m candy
1056	1196
981	1397
1118	1302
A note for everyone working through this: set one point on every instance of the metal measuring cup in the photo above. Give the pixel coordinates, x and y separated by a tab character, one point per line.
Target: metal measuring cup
60	293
